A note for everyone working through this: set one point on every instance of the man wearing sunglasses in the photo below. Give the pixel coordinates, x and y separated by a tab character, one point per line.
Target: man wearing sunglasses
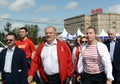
13	63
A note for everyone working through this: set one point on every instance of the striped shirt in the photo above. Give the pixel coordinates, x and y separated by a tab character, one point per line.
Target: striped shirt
92	60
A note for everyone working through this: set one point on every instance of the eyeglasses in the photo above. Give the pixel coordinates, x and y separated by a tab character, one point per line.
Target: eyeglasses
10	40
84	41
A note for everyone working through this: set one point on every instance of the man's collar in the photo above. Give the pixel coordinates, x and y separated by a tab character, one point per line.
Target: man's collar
12	49
114	40
53	43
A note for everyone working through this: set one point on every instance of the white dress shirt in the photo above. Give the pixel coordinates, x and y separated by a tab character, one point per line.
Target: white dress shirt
112	46
50	58
8	60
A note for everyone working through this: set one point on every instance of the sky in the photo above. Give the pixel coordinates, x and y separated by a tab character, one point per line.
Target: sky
50	12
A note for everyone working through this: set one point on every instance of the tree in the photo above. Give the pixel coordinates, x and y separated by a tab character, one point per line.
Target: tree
2	37
33	32
7	27
16	31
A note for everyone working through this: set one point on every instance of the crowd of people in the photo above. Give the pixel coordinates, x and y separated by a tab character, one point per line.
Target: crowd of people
89	61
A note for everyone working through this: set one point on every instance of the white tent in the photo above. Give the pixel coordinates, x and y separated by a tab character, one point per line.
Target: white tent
63	34
69	36
79	32
103	34
117	35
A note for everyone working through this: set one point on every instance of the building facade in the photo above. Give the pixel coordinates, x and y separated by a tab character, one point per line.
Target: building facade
99	21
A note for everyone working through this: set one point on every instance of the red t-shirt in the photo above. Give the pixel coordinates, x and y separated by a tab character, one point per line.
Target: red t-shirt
27	45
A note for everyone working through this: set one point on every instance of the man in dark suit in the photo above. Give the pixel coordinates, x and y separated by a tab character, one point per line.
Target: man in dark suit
13	63
113	45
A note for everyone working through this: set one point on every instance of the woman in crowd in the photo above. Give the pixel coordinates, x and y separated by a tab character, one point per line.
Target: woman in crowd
83	40
75	53
94	63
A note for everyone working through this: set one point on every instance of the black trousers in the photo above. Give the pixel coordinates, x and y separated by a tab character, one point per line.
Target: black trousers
7	78
36	77
93	78
116	75
74	78
53	79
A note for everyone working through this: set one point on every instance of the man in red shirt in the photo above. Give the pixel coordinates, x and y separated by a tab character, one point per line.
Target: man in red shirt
27	45
53	58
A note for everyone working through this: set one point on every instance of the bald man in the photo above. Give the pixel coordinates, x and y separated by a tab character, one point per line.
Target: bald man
53	59
113	45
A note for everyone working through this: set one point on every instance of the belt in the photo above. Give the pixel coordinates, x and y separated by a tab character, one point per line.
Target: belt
53	75
6	73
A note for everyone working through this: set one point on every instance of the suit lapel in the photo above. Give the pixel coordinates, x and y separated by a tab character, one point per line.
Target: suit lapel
108	46
116	44
4	56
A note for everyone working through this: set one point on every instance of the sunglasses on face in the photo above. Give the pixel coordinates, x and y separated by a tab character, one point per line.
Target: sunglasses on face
10	40
84	41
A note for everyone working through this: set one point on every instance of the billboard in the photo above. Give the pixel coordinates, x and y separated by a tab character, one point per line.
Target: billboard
97	11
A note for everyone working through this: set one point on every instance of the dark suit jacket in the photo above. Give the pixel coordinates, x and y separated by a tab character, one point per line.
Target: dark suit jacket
116	54
19	66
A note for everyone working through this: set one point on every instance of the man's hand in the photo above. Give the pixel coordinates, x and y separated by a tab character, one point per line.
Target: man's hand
78	78
68	80
30	78
108	82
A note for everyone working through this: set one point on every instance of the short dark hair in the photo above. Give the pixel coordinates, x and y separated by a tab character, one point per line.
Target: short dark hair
11	33
24	29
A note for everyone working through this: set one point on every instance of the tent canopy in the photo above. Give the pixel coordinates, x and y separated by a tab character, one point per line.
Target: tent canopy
117	35
69	36
64	33
103	34
79	32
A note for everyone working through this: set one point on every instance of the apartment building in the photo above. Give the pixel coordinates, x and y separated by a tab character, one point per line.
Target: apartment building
99	21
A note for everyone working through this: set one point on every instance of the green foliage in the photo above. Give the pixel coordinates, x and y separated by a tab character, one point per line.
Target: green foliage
32	32
16	31
39	40
2	37
7	27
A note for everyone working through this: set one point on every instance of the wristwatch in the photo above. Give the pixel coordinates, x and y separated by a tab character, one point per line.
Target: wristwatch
109	79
